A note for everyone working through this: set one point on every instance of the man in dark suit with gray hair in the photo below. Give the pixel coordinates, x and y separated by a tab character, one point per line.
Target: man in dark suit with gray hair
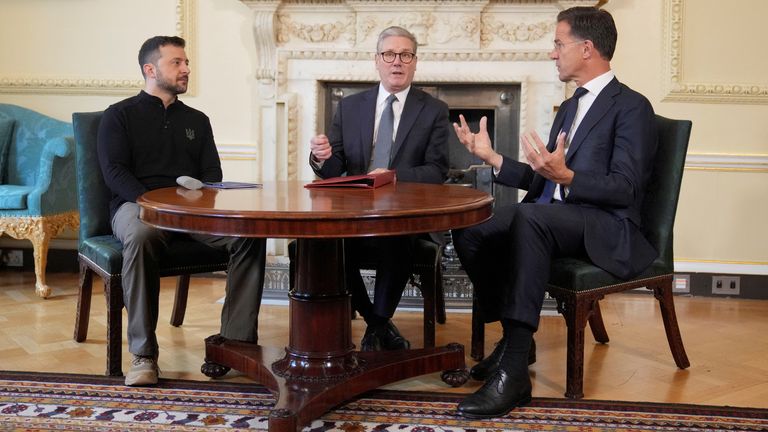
393	126
585	188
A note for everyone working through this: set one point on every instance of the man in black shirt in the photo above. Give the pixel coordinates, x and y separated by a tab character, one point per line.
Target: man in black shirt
145	142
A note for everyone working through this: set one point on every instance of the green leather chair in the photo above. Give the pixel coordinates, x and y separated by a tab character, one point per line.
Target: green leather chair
578	286
101	253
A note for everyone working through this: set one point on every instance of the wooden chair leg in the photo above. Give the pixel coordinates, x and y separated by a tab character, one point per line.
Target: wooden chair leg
575	313
596	324
114	296
180	300
439	296
478	333
83	303
428	288
663	293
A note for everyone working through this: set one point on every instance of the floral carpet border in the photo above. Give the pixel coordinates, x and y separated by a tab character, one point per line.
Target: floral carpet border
33	401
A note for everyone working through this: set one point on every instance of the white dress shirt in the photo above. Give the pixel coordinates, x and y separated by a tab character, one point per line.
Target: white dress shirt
593	87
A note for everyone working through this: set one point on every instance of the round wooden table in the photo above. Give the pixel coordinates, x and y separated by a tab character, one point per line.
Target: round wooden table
320	368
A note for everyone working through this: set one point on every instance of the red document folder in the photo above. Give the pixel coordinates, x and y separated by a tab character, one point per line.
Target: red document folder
365	181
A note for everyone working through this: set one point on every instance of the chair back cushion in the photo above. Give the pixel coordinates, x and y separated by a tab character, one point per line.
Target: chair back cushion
6	132
31	133
93	193
663	190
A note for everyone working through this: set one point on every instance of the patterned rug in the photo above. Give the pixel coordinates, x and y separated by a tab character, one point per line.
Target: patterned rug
35	402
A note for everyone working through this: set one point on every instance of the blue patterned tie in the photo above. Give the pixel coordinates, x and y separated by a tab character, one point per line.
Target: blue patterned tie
383	146
549	186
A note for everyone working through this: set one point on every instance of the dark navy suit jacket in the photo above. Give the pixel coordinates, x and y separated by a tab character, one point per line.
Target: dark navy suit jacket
421	144
611	154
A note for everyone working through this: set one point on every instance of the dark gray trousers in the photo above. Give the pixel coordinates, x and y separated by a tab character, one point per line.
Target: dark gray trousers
142	248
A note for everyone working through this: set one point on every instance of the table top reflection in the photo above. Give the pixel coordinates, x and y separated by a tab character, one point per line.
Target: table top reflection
288	209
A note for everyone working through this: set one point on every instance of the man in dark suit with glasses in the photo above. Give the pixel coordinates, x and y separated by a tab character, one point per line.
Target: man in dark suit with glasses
392	126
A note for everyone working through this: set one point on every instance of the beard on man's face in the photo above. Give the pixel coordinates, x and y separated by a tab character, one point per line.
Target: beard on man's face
177	87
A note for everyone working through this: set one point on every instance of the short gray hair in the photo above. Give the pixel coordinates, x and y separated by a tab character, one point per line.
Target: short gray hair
396	31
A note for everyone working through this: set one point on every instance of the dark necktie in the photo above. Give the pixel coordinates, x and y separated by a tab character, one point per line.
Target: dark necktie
383	146
570	114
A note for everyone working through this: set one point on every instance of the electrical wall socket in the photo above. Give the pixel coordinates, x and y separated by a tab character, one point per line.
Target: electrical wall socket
13	258
726	285
682	284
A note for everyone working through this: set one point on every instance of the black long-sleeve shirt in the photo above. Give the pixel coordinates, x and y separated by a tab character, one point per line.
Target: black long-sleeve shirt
144	146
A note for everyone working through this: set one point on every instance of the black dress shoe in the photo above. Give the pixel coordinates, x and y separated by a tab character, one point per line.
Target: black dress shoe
490	364
498	396
370	341
391	339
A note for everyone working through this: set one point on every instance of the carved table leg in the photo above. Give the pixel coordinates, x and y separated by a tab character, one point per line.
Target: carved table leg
319	368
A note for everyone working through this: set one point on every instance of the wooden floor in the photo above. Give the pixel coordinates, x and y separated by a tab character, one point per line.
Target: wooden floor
726	341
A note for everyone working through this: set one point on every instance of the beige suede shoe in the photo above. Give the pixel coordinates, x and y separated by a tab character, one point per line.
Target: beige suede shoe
144	371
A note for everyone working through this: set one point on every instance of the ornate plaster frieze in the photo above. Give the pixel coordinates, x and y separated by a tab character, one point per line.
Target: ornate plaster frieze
430	29
678	89
318	32
565	4
494	27
463	27
53	84
419	23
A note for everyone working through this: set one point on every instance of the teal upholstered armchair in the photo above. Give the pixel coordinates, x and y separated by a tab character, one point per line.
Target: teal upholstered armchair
37	181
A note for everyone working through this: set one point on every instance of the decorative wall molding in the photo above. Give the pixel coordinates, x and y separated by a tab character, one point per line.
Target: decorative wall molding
686	265
286	163
52	84
186	27
69	85
726	162
238	151
678	90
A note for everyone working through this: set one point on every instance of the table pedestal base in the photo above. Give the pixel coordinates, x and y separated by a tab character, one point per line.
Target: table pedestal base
302	398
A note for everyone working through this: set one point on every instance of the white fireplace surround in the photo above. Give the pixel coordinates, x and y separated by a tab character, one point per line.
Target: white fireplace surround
303	43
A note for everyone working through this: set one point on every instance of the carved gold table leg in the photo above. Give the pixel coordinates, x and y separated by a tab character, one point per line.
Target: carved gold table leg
40	231
41	238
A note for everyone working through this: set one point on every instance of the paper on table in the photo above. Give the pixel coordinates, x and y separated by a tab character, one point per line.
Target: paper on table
231	185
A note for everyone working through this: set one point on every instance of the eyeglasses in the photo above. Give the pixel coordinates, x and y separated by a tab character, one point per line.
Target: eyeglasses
405	57
558	46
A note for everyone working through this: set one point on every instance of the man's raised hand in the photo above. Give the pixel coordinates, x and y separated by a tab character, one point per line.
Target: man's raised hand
320	148
479	144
